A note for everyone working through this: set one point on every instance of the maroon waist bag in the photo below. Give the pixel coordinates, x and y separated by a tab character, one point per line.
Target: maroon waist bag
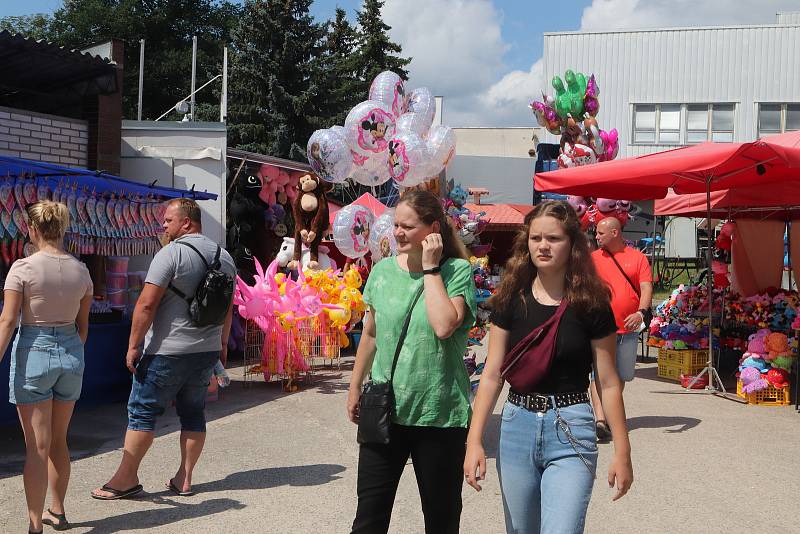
529	361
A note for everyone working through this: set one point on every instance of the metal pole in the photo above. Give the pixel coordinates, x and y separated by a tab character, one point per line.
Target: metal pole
223	104
141	78
194	71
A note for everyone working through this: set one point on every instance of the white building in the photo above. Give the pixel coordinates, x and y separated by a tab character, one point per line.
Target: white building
670	87
496	159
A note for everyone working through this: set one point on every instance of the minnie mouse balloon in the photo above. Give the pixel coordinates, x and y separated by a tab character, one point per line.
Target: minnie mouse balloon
382	243
423	106
351	230
329	156
372	172
388	87
409	159
369	127
442	147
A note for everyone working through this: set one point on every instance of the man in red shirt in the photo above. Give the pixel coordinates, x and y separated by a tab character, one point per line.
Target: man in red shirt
627	273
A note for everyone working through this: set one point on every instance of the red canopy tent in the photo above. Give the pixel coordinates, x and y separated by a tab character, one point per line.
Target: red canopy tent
776	201
700	168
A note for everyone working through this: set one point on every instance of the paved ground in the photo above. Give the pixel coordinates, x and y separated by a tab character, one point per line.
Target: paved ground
286	463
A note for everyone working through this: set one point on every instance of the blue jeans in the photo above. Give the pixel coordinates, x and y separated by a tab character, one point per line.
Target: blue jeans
160	379
546	484
46	363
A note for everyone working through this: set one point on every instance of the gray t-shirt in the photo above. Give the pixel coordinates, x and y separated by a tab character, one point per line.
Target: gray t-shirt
173	331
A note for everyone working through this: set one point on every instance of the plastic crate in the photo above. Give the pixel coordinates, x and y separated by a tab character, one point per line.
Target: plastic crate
701	383
674	371
687	359
771	396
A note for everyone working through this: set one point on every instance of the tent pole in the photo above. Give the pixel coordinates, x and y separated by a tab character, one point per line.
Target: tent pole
713	377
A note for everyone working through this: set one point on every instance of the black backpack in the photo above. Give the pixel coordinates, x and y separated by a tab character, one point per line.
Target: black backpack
213	296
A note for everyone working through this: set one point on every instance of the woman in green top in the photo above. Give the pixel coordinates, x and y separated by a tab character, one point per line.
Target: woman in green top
430	382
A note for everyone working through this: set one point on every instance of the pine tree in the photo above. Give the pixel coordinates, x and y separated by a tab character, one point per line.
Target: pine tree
376	52
273	108
341	87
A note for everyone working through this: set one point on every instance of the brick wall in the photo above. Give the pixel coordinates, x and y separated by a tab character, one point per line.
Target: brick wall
40	137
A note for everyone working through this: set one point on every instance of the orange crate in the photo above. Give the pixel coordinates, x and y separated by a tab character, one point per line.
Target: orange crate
771	396
687	359
672	371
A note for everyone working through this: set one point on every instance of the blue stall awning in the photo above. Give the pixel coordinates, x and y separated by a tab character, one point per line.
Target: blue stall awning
96	180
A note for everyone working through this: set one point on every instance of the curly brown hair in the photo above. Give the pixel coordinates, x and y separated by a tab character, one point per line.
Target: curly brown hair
584	289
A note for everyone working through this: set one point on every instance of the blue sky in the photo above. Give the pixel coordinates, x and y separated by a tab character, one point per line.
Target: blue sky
485	56
522	22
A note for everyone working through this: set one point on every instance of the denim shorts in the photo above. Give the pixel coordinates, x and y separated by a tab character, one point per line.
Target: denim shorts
46	363
160	379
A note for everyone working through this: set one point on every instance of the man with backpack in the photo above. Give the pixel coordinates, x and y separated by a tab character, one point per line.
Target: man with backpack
179	331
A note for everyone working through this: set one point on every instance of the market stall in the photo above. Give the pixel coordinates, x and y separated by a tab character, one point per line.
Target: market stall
754	307
111	219
702	168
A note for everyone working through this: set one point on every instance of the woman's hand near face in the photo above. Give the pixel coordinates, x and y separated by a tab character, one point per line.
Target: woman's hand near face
432	247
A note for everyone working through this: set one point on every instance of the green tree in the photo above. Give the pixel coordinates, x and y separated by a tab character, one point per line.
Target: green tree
167	26
35	26
274	97
376	52
340	83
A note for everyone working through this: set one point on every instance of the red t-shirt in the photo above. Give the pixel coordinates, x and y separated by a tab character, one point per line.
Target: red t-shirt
624	300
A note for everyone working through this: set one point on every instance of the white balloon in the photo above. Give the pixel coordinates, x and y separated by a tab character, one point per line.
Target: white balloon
442	147
373	172
408	159
382	243
388	87
412	122
339	130
422	103
369	126
329	156
351	229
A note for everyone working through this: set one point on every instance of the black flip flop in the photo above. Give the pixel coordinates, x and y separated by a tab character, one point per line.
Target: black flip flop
117	494
62	524
174	489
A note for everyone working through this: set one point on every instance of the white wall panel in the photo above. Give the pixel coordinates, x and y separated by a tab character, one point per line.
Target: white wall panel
744	65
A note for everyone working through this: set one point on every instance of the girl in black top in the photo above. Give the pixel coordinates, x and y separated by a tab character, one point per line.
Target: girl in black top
547	453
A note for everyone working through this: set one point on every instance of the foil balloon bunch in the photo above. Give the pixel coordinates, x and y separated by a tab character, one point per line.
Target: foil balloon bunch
592	210
571	114
322	300
390	135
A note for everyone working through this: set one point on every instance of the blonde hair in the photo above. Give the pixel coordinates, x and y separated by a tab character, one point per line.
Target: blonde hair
188	208
50	219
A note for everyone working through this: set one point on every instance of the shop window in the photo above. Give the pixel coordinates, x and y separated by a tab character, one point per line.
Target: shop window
644	123
669	124
769	119
792	117
696	123
722	123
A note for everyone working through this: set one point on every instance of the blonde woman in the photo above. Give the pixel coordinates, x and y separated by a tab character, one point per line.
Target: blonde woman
52	291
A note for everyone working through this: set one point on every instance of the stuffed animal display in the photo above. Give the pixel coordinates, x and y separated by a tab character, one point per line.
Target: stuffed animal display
310	209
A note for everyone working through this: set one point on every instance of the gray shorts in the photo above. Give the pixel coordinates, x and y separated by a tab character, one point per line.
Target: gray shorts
626	355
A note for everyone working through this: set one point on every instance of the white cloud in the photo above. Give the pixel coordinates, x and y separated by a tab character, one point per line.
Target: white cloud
457	47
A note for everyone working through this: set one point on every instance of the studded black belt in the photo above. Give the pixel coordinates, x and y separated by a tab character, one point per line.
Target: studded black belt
536	402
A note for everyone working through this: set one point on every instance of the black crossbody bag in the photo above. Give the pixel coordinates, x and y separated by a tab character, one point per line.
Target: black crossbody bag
377	399
647	313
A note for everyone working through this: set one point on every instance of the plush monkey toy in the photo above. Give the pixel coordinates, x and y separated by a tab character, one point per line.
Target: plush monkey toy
310	210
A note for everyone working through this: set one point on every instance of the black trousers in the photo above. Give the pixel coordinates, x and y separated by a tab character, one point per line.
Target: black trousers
438	458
